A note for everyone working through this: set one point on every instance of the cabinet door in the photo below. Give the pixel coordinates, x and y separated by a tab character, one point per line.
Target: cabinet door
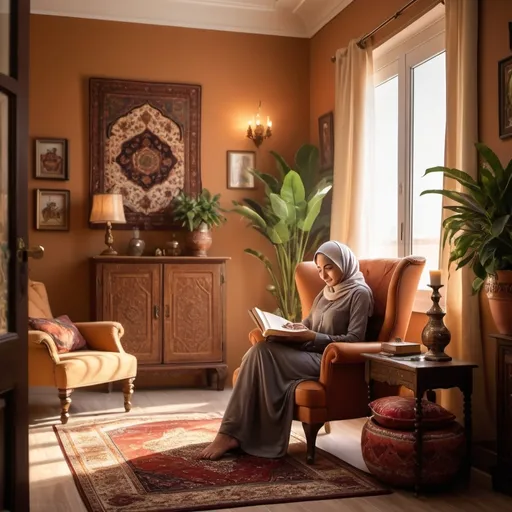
505	401
131	295
193	304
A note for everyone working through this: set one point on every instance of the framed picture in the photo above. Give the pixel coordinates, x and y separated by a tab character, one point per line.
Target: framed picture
51	159
505	97
239	163
52	209
326	137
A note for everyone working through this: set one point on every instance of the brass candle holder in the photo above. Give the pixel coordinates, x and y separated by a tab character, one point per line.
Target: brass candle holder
435	335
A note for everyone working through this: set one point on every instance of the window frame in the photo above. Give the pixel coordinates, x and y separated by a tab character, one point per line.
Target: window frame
419	42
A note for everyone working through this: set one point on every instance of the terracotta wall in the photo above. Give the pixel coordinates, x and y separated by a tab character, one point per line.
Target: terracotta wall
362	16
235	71
493	46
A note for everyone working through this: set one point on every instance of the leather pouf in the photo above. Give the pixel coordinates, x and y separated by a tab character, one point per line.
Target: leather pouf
389	454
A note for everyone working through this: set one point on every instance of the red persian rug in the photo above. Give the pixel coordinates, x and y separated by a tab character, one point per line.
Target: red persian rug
150	464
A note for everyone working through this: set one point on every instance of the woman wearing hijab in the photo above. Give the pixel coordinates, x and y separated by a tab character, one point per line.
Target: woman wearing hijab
259	414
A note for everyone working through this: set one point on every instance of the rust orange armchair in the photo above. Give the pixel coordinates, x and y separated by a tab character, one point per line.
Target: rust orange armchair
104	361
341	392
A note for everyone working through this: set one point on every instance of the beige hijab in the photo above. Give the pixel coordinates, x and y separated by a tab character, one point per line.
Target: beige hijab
347	262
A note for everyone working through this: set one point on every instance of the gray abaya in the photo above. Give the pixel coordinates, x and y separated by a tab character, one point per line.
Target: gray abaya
260	412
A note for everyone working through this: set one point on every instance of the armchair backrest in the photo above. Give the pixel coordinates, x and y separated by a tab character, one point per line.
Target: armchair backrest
393	281
38	304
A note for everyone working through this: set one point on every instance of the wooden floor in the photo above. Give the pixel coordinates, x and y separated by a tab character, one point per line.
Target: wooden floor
52	487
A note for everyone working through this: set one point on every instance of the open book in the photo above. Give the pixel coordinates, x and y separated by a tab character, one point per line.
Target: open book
273	325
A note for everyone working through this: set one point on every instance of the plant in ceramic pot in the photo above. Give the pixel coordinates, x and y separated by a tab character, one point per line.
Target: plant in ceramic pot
198	214
480	230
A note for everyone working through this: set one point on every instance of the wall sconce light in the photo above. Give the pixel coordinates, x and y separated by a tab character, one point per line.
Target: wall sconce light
259	133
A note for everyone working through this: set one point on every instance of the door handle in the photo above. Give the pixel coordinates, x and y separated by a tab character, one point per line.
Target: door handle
24	252
156	312
167	311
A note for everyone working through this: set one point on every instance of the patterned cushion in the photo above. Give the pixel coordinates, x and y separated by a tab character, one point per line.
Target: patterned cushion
62	330
398	412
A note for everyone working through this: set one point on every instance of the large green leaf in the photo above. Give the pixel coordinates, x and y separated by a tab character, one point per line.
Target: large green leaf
307	164
270	181
250	214
279	234
459	197
282	167
292	190
279	207
493	161
499	225
261	257
462	177
313	212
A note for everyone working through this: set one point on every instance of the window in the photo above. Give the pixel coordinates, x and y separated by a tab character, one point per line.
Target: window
410	118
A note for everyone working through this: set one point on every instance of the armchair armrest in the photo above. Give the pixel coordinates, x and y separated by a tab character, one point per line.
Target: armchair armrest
344	353
342	375
39	340
255	336
104	336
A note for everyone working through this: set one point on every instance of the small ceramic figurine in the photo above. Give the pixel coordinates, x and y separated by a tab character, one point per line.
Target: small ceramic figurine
158	252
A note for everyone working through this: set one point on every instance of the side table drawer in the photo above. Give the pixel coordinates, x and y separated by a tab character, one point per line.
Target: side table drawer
393	376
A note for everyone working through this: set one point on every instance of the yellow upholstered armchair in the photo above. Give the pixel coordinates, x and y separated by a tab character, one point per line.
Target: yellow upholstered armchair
341	391
104	361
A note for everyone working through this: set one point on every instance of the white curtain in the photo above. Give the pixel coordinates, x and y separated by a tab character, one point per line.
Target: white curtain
462	308
353	147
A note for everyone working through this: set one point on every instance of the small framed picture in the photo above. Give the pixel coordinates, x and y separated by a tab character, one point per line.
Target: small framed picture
239	163
505	97
51	159
326	137
52	209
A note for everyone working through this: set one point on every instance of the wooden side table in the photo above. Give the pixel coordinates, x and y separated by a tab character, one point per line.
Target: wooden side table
423	376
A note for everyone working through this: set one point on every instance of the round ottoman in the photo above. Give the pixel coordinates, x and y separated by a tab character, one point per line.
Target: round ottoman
389	452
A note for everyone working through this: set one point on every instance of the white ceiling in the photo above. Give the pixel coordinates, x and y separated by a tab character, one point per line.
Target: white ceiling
295	18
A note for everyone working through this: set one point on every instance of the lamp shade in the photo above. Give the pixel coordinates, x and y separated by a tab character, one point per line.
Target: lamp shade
107	208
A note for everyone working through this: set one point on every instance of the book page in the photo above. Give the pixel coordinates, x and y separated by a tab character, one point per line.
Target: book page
274	322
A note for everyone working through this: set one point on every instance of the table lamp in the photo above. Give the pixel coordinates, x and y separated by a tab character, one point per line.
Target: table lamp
108	208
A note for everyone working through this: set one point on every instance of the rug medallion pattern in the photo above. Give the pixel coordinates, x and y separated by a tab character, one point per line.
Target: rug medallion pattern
150	464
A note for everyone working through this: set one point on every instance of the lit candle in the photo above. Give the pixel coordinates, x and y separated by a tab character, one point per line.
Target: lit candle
435	277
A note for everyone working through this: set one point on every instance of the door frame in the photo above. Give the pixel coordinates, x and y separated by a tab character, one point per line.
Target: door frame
14	344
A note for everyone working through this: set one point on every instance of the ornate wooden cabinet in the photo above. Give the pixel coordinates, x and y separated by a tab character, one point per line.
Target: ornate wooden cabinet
172	310
502	475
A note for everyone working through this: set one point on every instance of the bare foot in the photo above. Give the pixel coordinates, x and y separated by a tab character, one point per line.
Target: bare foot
221	444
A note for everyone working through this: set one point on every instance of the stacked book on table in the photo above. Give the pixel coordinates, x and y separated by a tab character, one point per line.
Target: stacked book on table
397	347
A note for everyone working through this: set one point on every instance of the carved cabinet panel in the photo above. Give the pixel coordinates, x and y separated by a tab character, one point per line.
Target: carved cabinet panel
131	295
502	475
172	310
193	313
505	400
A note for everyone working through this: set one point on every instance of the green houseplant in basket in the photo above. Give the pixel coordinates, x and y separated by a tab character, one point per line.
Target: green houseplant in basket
198	215
479	230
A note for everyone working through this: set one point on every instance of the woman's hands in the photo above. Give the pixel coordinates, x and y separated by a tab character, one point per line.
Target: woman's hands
294	326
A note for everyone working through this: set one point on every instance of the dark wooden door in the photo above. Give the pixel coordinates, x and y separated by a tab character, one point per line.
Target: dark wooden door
14	40
193	309
131	293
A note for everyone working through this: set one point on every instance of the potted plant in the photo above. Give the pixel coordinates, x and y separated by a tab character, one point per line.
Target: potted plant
286	218
198	214
480	230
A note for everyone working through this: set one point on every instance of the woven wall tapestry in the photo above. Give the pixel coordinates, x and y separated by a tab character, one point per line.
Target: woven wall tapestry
145	141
